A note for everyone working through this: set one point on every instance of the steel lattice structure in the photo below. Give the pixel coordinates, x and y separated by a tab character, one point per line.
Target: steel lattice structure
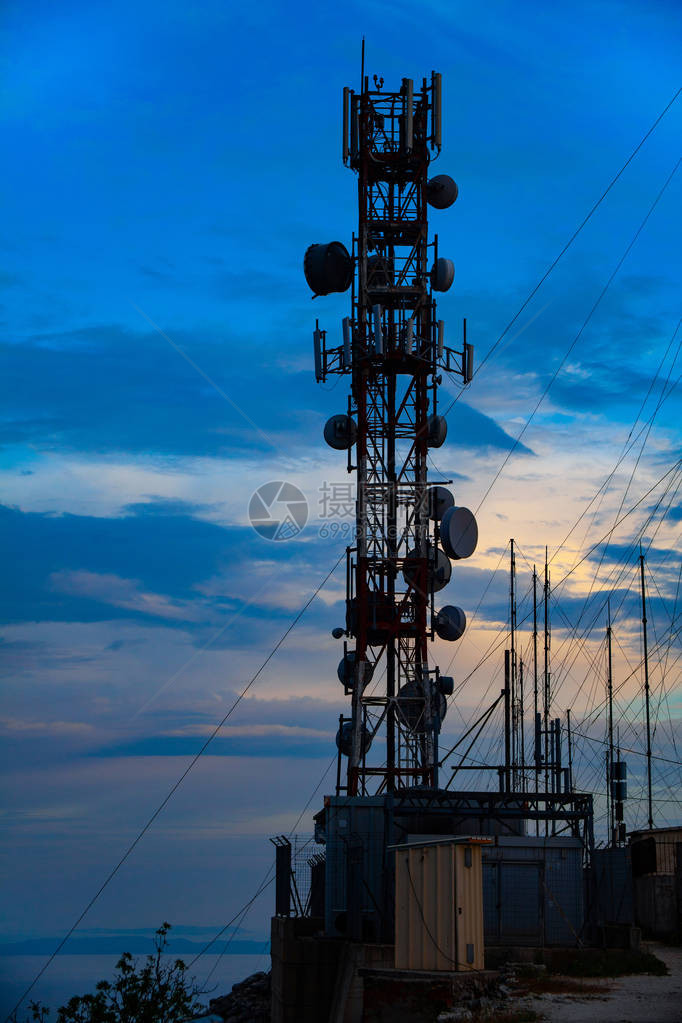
393	350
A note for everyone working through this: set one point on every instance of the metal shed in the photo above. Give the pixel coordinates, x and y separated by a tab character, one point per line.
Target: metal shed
356	832
612	895
533	891
439	905
657	871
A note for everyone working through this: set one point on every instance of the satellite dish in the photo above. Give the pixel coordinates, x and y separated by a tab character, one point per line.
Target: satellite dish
437	431
411	707
440	499
340	432
346	670
328	268
459	533
446	684
438	569
410	701
442	274
381	615
450	623
337	633
344	739
379	271
441	192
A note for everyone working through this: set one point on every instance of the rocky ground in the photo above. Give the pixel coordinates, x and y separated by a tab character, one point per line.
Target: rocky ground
522	994
248	1002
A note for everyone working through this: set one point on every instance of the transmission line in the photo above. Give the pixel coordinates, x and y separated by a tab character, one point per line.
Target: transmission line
177	785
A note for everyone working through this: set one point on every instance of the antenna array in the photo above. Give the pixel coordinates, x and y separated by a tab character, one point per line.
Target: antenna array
394	348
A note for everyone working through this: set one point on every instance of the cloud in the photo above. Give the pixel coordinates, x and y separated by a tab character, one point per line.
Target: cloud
81	568
140	473
105	389
124	593
270	742
474	430
45	727
68	567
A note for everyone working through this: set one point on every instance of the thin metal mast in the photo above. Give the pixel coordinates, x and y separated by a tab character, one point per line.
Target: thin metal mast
507	722
513	678
570	749
546	694
646	693
537	747
521	728
609	752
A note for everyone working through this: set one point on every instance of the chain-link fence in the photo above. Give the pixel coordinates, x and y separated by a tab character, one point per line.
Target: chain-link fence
300	862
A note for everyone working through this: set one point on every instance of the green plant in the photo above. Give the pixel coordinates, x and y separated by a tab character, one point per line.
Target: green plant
606	963
147	992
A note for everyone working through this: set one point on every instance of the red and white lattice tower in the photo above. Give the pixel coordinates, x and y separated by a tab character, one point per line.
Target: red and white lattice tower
393	348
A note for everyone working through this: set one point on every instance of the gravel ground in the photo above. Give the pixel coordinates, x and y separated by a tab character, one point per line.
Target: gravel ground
641	998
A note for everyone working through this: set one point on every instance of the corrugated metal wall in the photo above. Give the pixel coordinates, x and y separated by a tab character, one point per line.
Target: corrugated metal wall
533	891
613	893
439	908
355	829
469	907
532	887
424	909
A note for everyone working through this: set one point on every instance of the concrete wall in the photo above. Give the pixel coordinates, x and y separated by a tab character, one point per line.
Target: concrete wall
400	996
304	970
316	979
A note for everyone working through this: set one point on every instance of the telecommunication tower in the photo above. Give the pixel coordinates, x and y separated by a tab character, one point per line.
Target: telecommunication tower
393	347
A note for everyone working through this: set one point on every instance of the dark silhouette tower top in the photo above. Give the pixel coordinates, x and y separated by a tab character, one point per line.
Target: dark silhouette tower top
393	348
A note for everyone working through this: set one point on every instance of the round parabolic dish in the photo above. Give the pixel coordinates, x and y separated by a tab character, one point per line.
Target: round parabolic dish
440	499
328	268
442	274
437	431
379	270
459	533
340	432
441	191
344	739
442	570
411	706
446	684
438	567
450	623
346	670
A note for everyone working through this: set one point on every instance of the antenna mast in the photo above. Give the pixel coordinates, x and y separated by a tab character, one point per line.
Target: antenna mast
609	752
546	695
394	349
513	680
537	748
646	694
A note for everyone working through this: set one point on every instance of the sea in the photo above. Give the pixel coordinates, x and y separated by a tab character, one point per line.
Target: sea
70	975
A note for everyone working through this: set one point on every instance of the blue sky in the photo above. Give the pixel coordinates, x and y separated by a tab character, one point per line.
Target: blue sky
168	165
